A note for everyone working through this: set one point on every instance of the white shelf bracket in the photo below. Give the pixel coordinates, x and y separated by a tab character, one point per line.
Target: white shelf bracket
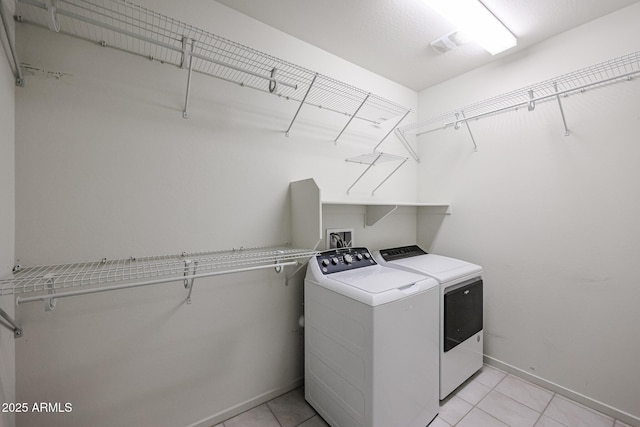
353	116
466	123
389	176
391	130
273	83
365	171
564	120
375	213
49	285
12	46
278	267
407	146
17	330
301	104
52	21
189	276
187	49
531	105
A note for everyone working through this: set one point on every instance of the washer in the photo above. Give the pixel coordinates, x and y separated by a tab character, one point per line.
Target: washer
461	327
371	342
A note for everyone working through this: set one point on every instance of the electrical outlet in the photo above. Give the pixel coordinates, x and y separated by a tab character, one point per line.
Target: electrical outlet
340	238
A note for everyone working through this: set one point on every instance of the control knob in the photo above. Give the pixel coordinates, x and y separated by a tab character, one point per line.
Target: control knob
334	260
359	257
348	259
325	262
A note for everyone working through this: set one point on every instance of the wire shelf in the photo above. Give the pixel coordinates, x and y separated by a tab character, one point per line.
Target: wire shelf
375	158
55	277
372	159
135	29
614	70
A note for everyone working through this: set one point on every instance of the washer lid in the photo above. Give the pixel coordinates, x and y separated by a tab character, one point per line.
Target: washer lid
443	269
377	279
376	285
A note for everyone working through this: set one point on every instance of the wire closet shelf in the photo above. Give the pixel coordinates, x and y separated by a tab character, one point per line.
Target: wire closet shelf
135	29
117	274
614	70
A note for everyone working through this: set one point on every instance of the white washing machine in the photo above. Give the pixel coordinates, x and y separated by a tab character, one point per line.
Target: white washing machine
461	337
371	342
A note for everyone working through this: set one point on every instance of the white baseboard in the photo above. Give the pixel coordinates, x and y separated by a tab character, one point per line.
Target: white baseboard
563	391
246	405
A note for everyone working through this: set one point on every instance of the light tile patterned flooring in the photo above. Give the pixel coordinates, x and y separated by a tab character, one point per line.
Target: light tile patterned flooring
491	398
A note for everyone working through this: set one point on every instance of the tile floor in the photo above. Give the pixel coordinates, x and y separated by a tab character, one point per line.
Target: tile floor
491	398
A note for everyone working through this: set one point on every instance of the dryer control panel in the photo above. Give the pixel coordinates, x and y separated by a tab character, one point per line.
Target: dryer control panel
401	252
343	259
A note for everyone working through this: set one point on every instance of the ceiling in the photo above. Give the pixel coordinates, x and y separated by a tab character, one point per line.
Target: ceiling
391	37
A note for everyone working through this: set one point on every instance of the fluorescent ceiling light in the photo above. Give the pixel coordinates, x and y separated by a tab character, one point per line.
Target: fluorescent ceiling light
475	19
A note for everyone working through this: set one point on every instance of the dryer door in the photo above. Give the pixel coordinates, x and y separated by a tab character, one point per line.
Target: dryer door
462	313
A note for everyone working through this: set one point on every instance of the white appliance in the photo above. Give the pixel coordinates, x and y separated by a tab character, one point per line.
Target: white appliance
461	337
371	342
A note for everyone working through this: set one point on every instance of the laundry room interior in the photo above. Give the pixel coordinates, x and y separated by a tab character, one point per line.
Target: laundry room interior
117	149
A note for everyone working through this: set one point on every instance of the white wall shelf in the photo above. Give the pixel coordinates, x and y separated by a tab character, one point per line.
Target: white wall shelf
306	211
374	212
615	70
52	282
125	26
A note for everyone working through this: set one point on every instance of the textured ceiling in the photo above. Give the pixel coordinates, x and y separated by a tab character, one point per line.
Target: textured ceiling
391	37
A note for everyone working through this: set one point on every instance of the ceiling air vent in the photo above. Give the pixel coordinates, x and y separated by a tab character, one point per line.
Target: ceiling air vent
449	41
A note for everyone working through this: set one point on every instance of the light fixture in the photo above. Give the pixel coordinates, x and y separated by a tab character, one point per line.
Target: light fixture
472	17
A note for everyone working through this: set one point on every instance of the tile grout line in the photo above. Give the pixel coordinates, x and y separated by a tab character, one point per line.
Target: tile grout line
273	413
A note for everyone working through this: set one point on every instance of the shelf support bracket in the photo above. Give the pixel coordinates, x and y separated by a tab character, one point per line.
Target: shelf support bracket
353	116
53	22
365	171
187	48
406	144
564	120
301	104
12	46
189	279
49	285
391	130
375	213
466	123
389	176
531	105
17	330
278	267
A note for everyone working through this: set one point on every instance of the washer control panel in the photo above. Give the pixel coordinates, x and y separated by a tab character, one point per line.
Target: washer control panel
342	259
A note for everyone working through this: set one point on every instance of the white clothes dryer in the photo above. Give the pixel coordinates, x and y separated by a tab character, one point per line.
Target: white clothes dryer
371	342
461	313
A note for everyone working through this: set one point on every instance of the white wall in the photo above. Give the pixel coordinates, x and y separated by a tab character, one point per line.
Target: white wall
107	167
7	217
553	219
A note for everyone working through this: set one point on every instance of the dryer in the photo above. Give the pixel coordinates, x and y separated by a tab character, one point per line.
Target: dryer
461	313
371	342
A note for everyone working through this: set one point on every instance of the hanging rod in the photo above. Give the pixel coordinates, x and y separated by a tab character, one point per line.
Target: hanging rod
134	29
12	46
614	70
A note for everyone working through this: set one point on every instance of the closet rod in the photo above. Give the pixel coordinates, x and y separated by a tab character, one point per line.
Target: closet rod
17	331
20	300
541	98
12	46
